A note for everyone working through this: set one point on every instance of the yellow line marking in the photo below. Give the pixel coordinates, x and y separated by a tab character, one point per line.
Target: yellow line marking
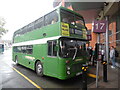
92	75
27	79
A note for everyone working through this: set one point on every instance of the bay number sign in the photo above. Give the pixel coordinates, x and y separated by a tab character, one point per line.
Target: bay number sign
99	26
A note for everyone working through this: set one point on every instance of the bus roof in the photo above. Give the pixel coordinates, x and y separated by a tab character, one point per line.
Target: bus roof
57	8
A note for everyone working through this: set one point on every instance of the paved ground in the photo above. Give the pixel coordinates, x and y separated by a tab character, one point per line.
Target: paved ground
11	79
113	78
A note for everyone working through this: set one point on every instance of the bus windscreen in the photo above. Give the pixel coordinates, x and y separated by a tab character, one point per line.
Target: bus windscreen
70	18
72	48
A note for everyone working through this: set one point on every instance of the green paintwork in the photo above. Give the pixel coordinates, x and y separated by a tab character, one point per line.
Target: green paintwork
50	30
52	66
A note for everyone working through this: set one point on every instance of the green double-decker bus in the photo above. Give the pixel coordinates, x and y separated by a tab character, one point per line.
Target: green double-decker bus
53	45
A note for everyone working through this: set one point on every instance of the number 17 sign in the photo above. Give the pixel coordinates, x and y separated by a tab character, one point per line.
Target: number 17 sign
99	26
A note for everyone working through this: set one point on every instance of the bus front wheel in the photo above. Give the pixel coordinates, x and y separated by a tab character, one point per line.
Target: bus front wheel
39	68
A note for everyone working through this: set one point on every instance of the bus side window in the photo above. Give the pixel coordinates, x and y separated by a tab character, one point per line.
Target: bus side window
17	49
39	23
51	18
29	49
55	48
23	49
52	49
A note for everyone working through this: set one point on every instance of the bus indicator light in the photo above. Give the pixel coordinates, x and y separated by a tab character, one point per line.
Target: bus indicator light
68	61
43	58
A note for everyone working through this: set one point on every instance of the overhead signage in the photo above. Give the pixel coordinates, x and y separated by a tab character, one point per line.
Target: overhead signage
99	26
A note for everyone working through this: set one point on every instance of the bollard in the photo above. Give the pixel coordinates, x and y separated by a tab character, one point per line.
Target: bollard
104	71
84	77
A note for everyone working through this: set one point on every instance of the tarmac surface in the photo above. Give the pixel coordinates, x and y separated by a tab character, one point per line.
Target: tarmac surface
11	78
113	80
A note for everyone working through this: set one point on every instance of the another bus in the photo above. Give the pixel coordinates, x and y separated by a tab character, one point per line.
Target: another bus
53	45
1	47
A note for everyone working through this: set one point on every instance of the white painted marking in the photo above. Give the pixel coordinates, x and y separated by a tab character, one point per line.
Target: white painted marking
38	41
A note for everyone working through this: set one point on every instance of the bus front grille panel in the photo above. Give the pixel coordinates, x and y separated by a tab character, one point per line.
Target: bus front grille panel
76	67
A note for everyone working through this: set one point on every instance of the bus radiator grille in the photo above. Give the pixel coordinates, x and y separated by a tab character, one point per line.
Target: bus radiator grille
76	67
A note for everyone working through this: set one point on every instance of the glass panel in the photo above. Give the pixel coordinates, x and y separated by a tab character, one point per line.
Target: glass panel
71	18
17	49
67	17
78	21
39	23
72	48
30	27
51	18
29	49
52	50
23	49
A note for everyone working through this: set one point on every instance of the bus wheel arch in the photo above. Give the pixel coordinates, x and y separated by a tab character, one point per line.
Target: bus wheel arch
39	68
16	60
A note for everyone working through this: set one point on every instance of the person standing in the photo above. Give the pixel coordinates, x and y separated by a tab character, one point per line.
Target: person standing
112	56
91	54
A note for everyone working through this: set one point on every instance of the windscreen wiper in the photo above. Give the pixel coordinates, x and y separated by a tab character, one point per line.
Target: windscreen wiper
61	47
75	53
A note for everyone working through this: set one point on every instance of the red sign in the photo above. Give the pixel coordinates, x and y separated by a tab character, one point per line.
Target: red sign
89	36
99	26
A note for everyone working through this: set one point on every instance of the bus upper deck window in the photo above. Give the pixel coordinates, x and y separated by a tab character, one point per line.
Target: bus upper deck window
67	17
51	18
55	19
79	21
65	20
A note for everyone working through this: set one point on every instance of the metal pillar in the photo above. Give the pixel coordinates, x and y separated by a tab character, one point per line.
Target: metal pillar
107	41
97	68
84	77
104	71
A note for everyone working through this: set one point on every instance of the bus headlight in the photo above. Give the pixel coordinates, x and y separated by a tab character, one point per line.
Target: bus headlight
68	68
68	72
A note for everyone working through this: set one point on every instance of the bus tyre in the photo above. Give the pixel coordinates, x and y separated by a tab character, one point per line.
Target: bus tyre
16	60
39	68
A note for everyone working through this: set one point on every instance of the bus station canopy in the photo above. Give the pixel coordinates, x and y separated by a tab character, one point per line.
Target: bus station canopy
90	10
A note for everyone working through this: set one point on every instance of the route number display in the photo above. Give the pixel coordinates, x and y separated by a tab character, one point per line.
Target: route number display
99	26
